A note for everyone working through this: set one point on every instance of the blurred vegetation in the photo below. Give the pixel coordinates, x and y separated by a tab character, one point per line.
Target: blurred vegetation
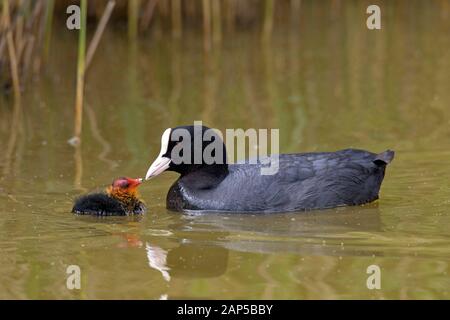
28	24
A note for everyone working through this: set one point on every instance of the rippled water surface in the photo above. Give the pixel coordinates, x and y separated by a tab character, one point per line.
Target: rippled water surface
327	83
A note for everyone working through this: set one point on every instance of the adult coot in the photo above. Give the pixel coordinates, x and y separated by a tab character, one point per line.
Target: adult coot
119	199
304	181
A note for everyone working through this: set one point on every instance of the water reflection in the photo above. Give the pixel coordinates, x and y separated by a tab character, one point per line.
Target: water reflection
14	145
205	240
157	259
322	233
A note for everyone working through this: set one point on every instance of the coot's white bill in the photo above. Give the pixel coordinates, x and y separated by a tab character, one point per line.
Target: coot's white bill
158	166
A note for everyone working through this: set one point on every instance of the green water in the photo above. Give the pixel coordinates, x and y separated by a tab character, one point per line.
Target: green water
326	82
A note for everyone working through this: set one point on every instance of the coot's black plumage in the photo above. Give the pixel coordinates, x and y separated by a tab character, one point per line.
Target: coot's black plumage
303	182
119	199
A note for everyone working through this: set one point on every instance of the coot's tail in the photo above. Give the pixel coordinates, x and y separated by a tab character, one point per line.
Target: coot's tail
384	158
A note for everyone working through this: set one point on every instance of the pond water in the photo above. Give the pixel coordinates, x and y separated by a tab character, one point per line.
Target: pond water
326	82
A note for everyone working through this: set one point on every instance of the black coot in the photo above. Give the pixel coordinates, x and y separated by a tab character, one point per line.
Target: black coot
304	181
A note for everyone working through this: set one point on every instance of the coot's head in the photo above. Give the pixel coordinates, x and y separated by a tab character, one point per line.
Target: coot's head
124	186
187	149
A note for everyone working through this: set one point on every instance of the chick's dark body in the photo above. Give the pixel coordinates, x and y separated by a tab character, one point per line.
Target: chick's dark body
102	204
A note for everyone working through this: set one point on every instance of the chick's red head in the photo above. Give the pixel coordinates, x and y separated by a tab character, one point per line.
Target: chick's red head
125	185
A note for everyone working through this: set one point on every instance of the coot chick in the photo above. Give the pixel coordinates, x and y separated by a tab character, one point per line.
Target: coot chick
119	199
304	181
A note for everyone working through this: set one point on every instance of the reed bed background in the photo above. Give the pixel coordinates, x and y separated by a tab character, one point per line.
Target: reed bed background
26	26
27	29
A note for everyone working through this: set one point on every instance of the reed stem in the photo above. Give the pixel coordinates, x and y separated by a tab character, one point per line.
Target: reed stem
295	12
12	52
99	32
48	26
230	15
206	5
133	18
148	14
217	21
176	19
269	7
80	73
14	66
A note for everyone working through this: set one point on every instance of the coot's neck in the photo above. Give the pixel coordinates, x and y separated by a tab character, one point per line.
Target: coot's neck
205	176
